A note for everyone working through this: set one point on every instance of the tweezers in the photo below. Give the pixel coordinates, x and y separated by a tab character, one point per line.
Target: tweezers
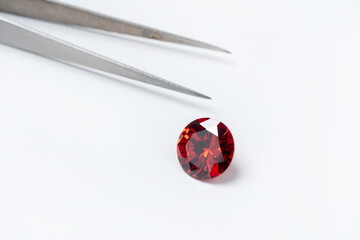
28	39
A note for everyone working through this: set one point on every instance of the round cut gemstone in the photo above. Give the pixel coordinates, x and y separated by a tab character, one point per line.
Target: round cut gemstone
205	148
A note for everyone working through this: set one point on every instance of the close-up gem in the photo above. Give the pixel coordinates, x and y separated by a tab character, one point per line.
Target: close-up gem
205	148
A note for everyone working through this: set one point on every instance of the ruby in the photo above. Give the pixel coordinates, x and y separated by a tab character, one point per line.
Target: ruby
205	148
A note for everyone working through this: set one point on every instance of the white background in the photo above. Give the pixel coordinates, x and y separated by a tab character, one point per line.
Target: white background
91	156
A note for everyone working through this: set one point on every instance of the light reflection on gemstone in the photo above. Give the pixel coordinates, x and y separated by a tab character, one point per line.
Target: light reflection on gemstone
205	148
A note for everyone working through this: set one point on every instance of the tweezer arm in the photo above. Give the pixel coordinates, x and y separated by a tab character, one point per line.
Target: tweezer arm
61	13
22	37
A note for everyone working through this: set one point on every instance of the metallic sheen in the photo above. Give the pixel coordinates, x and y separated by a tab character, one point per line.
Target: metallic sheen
61	13
31	40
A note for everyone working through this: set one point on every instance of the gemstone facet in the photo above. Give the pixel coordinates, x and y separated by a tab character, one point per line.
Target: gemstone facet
205	148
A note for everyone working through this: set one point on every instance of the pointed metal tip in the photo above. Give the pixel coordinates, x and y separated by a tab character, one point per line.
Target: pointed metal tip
200	95
206	97
188	91
170	37
215	48
210	47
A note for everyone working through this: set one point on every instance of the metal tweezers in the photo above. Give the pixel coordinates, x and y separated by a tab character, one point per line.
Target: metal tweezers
25	38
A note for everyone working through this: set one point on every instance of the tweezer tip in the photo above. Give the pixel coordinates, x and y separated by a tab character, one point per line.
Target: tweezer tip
190	92
207	97
219	49
200	95
214	48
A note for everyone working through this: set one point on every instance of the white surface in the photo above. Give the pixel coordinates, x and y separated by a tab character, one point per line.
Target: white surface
86	156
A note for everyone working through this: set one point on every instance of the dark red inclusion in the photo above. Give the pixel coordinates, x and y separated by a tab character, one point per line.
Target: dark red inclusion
202	154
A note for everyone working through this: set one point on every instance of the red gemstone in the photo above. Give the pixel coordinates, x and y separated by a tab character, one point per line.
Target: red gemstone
205	148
